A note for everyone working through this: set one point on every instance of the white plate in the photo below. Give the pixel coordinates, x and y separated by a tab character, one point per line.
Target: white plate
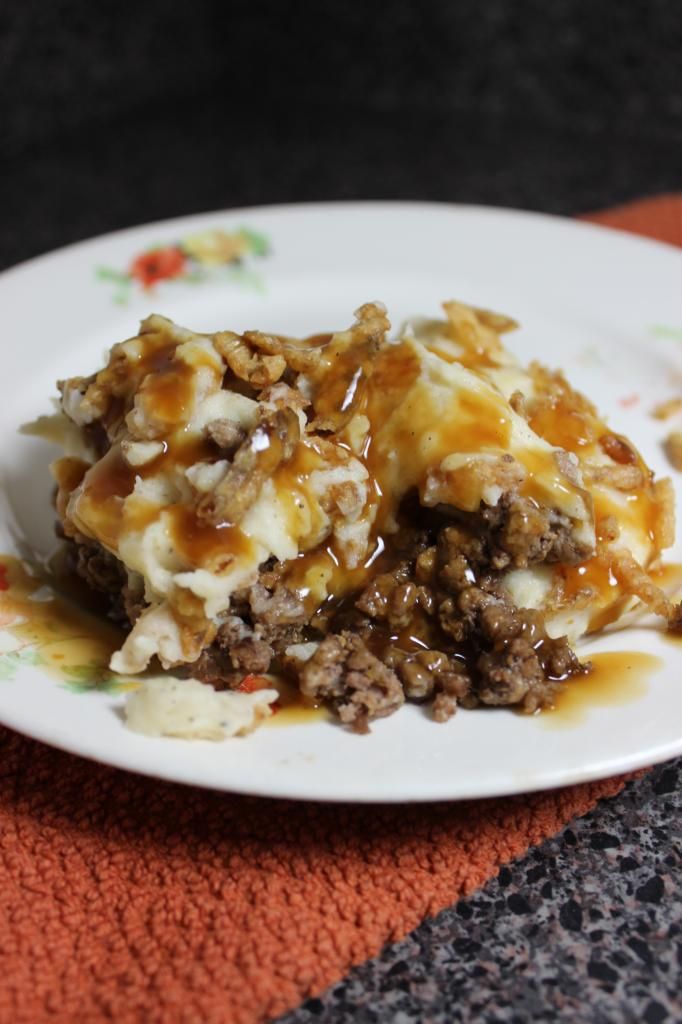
601	304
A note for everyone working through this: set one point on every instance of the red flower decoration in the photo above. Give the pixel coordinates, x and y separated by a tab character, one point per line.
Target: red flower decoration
158	265
628	401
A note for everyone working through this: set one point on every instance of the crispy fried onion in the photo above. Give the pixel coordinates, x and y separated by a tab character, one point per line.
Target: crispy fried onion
477	329
349	355
673	449
255	368
636	582
621	478
664	410
261	359
268	445
664	525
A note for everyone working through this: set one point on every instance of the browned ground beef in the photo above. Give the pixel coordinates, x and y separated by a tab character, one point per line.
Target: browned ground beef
100	570
484	650
106	576
360	686
519	533
237	650
436	626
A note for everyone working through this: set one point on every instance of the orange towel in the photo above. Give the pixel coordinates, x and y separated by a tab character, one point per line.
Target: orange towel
130	900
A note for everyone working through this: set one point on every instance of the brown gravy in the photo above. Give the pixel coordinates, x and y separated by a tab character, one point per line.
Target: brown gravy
668	577
293	709
201	544
70	639
69	642
75	646
616	678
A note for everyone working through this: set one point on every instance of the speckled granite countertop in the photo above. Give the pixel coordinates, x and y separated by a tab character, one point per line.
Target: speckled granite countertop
585	927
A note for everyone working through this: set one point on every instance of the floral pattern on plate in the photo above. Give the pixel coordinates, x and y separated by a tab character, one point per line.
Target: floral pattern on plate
667	331
214	255
39	627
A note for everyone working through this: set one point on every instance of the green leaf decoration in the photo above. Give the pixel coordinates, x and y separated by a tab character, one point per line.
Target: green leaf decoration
107	274
197	276
85	678
241	275
12	661
258	244
664	331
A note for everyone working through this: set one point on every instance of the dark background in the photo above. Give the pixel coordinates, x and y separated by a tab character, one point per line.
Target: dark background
114	114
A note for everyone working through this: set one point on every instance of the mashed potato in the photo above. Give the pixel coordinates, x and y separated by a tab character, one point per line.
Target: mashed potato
257	494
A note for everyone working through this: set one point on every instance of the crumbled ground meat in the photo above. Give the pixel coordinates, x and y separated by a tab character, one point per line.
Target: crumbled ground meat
279	615
496	653
431	675
100	570
521	534
238	650
133	600
520	664
437	627
214	667
120	597
390	597
279	608
105	575
360	686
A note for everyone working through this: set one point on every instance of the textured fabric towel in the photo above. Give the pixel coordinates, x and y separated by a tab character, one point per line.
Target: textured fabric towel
130	900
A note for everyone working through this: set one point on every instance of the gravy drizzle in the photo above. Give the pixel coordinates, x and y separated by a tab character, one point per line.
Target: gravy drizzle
615	679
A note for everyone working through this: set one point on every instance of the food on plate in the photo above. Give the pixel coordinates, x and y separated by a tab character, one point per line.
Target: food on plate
673	448
672	443
191	710
664	410
378	519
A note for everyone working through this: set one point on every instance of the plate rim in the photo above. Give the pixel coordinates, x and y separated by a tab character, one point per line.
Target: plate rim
577	222
623	766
